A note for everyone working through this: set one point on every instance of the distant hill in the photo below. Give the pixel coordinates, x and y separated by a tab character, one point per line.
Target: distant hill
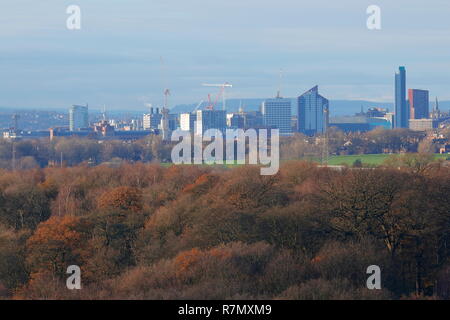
337	107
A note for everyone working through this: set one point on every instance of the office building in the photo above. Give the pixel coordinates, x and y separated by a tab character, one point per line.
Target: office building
423	124
389	117
152	120
313	112
375	112
187	121
277	114
401	107
78	118
253	119
210	119
419	104
174	121
375	117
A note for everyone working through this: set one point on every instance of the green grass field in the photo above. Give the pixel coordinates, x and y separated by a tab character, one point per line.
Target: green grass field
367	159
370	159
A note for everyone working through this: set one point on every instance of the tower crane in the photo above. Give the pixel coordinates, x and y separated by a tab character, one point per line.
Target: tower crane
165	110
223	87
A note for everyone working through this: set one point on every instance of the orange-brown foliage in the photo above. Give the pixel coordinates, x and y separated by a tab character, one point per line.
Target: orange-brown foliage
123	198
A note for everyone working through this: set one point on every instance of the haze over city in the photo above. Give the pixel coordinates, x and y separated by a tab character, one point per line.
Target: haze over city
115	58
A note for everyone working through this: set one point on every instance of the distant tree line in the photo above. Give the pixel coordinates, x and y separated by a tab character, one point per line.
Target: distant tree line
74	151
373	142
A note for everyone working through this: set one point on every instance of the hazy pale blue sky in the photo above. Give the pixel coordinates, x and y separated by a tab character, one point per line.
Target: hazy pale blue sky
115	58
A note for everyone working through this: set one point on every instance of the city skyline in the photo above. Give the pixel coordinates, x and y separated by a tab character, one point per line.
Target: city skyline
115	58
228	158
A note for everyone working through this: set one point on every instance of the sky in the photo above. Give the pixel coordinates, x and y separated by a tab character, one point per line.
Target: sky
115	59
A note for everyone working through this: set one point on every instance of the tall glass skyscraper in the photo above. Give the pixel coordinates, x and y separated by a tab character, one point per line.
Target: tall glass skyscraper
78	117
401	107
277	113
419	104
313	112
